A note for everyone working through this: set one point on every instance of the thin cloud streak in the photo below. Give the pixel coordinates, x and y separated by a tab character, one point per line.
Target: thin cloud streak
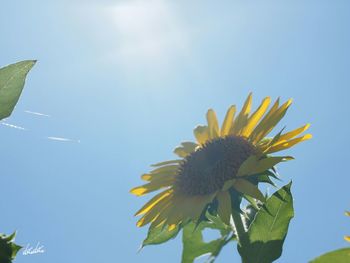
37	113
13	126
62	139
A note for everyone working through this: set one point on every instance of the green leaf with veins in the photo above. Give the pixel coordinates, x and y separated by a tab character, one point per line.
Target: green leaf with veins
12	79
193	244
266	234
159	235
215	222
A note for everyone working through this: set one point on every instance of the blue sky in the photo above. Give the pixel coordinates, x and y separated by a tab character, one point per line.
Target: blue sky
126	82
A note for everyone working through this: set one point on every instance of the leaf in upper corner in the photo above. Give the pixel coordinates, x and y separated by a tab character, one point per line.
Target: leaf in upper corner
159	235
268	230
12	79
8	249
337	256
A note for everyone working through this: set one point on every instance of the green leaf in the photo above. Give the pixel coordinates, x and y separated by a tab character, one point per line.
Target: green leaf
8	249
246	187
251	210
194	246
215	222
12	79
255	165
337	256
159	235
264	178
267	232
252	201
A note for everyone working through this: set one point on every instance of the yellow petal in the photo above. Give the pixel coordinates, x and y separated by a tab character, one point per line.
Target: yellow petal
254	165
285	145
263	144
247	105
172	227
248	188
151	203
176	215
156	223
159	176
160	220
153	213
146	219
150	187
168	169
227	124
213	124
146	177
347	213
256	116
224	208
292	134
181	152
242	117
167	210
347	238
256	134
264	147
271	122
202	134
167	162
185	149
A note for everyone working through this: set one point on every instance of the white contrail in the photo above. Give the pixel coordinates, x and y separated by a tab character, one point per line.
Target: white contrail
13	126
37	113
61	139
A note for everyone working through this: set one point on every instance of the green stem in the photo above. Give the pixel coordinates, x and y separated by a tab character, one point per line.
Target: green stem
239	227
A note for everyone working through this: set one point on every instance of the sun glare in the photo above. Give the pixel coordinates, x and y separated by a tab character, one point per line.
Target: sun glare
148	29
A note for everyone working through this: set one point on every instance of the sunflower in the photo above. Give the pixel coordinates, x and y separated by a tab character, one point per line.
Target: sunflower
224	164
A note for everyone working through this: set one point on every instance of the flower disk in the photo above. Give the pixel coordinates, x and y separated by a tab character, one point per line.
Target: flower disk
207	169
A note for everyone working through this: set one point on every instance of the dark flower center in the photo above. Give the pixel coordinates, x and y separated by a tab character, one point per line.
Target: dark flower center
208	168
